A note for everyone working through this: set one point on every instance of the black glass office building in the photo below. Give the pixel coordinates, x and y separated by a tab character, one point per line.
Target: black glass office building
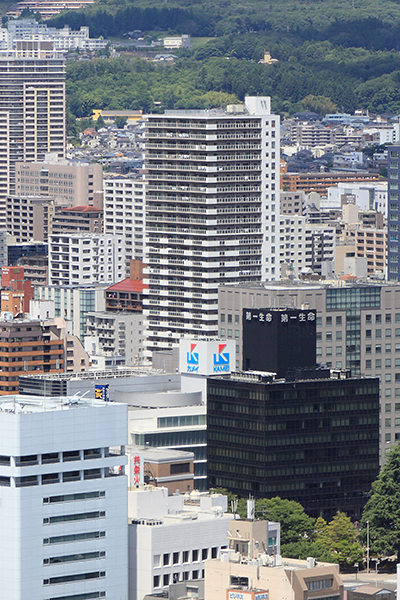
313	441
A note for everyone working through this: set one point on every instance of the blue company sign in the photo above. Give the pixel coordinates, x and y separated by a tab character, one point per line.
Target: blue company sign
221	360
192	360
101	392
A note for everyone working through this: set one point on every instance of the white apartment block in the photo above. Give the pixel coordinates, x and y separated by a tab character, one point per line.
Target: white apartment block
63	494
68	183
115	334
86	259
171	537
320	246
32	109
63	39
369	195
212	205
291	244
124	213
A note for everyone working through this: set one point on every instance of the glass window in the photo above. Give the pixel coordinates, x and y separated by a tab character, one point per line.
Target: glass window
368	349
388	318
388	393
368	334
368	318
319	322
338	336
378	349
319	336
388	348
378	318
378	363
388	408
236	319
388	378
338	350
338	320
388	363
329	350
156	581
387	438
378	334
388	333
222	317
368	364
329	336
338	364
329	321
388	423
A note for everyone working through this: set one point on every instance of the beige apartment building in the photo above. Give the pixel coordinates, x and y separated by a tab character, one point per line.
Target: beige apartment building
358	328
70	184
32	109
29	218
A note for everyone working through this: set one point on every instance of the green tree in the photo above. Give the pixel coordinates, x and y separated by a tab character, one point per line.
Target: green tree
338	541
296	525
100	123
121	122
382	511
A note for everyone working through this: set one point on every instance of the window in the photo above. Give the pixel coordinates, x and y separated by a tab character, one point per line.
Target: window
214	552
185	556
378	334
388	363
338	320
157	560
74	537
195	555
388	333
73	497
338	350
195	574
388	378
204	554
388	393
319	336
378	363
378	318
222	317
329	336
388	348
388	408
338	336
338	364
378	349
156	581
329	350
175	558
166	559
165	579
368	318
55	560
236	319
77	577
368	334
319	584
368	349
368	364
388	318
75	517
387	438
329	321
388	423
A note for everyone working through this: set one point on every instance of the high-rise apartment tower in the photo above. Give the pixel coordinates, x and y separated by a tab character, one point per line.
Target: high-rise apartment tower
212	206
32	109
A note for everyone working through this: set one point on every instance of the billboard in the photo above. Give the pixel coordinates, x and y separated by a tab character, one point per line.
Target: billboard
207	357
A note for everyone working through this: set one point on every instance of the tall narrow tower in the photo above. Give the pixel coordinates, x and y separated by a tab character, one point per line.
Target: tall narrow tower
32	109
212	206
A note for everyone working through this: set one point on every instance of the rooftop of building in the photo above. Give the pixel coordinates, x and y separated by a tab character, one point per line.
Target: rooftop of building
82	209
288	284
34	404
128	285
160	455
100	374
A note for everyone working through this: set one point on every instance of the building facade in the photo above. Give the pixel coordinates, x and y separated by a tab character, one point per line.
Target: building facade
64	499
358	328
32	109
86	259
393	213
315	441
124	213
69	183
211	206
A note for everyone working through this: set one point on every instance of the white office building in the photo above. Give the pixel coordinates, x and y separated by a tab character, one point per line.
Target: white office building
212	208
63	495
124	213
86	259
171	537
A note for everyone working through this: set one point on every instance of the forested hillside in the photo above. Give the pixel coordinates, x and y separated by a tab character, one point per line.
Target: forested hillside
332	55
